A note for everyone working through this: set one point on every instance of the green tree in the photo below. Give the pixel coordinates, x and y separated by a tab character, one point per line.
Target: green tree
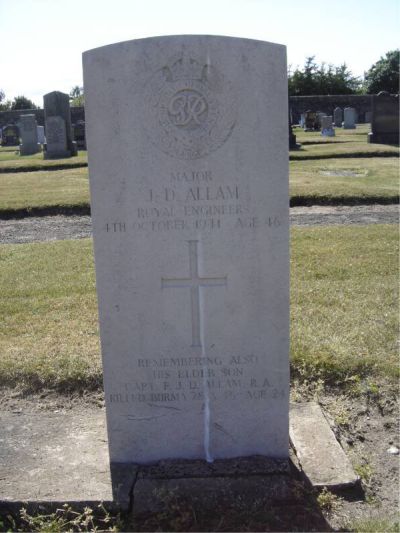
5	105
22	102
322	79
384	74
76	96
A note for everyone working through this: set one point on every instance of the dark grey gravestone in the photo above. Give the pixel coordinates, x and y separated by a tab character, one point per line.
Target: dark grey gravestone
56	104
310	121
338	117
80	134
385	119
10	135
29	135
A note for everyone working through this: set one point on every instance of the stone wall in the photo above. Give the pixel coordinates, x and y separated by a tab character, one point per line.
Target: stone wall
326	104
298	105
12	117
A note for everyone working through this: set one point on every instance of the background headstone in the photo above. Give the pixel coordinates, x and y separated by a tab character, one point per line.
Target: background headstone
56	104
349	121
319	115
338	117
80	134
28	135
56	138
40	134
327	127
385	119
310	121
189	202
10	135
368	117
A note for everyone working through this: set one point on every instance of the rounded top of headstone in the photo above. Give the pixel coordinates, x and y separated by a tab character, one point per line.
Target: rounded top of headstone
183	37
383	93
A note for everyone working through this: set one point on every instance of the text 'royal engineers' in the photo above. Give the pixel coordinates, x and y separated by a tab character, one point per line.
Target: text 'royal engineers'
188	163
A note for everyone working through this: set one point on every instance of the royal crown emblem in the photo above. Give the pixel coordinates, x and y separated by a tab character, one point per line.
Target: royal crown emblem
190	109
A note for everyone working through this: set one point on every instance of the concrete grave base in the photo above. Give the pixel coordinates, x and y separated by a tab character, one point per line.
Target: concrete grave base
47	459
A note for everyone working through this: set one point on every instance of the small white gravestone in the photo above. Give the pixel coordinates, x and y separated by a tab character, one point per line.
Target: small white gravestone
189	197
28	135
327	127
349	122
56	137
40	134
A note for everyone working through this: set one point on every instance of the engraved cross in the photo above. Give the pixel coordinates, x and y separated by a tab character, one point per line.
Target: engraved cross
194	283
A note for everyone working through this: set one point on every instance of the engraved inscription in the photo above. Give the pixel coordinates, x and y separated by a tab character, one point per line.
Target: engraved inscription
194	282
189	110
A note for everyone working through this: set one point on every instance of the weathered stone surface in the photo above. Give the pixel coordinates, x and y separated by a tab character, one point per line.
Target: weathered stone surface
29	135
40	134
51	458
349	121
327	126
338	117
320	455
189	197
59	138
56	138
384	119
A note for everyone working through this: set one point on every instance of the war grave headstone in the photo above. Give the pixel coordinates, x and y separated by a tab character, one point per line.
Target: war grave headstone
385	119
58	130
40	134
349	120
327	129
10	135
338	117
28	135
310	121
190	203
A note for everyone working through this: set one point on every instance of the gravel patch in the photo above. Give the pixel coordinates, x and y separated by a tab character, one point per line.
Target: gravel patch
50	228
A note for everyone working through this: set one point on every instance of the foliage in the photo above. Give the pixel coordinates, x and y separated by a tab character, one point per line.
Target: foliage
384	74
66	519
328	501
22	102
5	105
77	98
322	79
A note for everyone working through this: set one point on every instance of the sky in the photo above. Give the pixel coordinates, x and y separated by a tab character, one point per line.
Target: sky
42	40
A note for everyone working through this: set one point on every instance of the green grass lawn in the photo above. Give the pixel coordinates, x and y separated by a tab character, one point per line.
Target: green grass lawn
344	309
358	178
320	181
27	190
10	161
346	143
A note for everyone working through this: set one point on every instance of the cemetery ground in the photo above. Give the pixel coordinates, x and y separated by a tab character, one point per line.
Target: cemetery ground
344	323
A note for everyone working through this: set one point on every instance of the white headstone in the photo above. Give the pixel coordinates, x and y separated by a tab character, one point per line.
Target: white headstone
189	201
28	135
56	137
349	122
327	127
40	134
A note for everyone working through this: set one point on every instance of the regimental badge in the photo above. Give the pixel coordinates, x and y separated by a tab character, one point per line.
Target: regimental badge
190	109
